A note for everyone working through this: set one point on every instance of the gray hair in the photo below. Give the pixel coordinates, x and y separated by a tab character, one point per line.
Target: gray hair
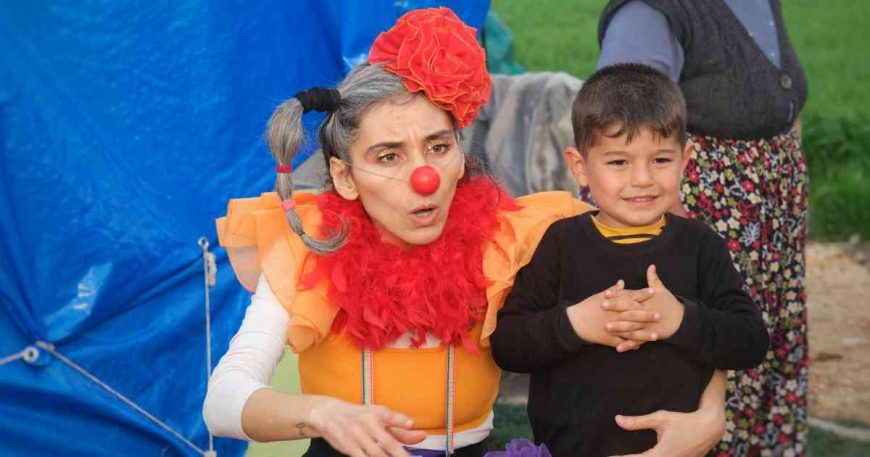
365	87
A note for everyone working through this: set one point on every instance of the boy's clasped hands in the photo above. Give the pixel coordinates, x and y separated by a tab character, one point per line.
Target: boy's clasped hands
626	319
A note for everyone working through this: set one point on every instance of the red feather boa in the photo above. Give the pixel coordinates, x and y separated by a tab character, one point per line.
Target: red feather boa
383	291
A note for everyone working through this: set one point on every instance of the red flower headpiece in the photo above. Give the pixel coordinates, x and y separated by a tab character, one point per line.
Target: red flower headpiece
434	51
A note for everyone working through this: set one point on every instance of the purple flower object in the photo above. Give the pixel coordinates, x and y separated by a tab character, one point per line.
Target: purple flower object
521	447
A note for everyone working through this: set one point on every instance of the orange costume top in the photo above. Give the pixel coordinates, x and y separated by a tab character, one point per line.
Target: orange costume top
412	381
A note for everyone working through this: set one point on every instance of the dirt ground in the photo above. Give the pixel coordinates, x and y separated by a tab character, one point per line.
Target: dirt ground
838	303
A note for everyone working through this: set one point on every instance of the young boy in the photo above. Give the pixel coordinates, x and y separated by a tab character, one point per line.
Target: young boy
629	128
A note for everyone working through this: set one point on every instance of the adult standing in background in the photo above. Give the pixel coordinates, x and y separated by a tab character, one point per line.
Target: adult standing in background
744	88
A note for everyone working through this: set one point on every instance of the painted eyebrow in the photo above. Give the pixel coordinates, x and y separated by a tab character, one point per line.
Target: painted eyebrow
439	134
395	144
382	145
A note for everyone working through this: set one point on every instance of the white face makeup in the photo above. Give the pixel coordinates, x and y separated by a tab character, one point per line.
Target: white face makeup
395	139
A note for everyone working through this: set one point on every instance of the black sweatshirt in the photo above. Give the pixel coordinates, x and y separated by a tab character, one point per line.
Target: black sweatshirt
577	388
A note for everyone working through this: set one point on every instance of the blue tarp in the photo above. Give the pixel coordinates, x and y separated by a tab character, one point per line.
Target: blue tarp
123	131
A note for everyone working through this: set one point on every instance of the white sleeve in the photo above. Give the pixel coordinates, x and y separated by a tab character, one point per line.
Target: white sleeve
248	365
637	32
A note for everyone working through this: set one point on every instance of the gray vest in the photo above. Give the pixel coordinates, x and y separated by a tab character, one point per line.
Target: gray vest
732	89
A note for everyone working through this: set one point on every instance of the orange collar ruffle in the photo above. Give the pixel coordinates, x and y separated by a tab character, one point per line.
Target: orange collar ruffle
259	241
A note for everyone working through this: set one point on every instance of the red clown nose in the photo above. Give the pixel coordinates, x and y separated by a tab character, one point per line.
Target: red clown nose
425	180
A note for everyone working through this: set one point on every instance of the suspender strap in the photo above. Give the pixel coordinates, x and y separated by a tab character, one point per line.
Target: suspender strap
368	376
450	400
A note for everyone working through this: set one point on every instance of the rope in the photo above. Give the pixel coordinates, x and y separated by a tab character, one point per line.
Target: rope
30	354
48	347
13	357
209	272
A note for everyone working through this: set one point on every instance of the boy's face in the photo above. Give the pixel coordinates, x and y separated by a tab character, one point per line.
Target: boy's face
633	183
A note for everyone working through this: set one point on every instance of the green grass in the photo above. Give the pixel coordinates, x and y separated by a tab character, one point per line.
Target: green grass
830	38
831	41
510	422
822	443
552	35
838	159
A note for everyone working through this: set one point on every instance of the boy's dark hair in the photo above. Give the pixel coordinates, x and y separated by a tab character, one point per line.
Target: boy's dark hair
631	96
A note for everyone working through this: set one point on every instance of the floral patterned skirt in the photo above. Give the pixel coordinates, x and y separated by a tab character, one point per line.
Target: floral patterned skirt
754	193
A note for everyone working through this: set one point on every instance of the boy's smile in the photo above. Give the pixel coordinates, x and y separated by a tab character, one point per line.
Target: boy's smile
634	183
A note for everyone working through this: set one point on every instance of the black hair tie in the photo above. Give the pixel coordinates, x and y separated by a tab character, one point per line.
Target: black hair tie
321	99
